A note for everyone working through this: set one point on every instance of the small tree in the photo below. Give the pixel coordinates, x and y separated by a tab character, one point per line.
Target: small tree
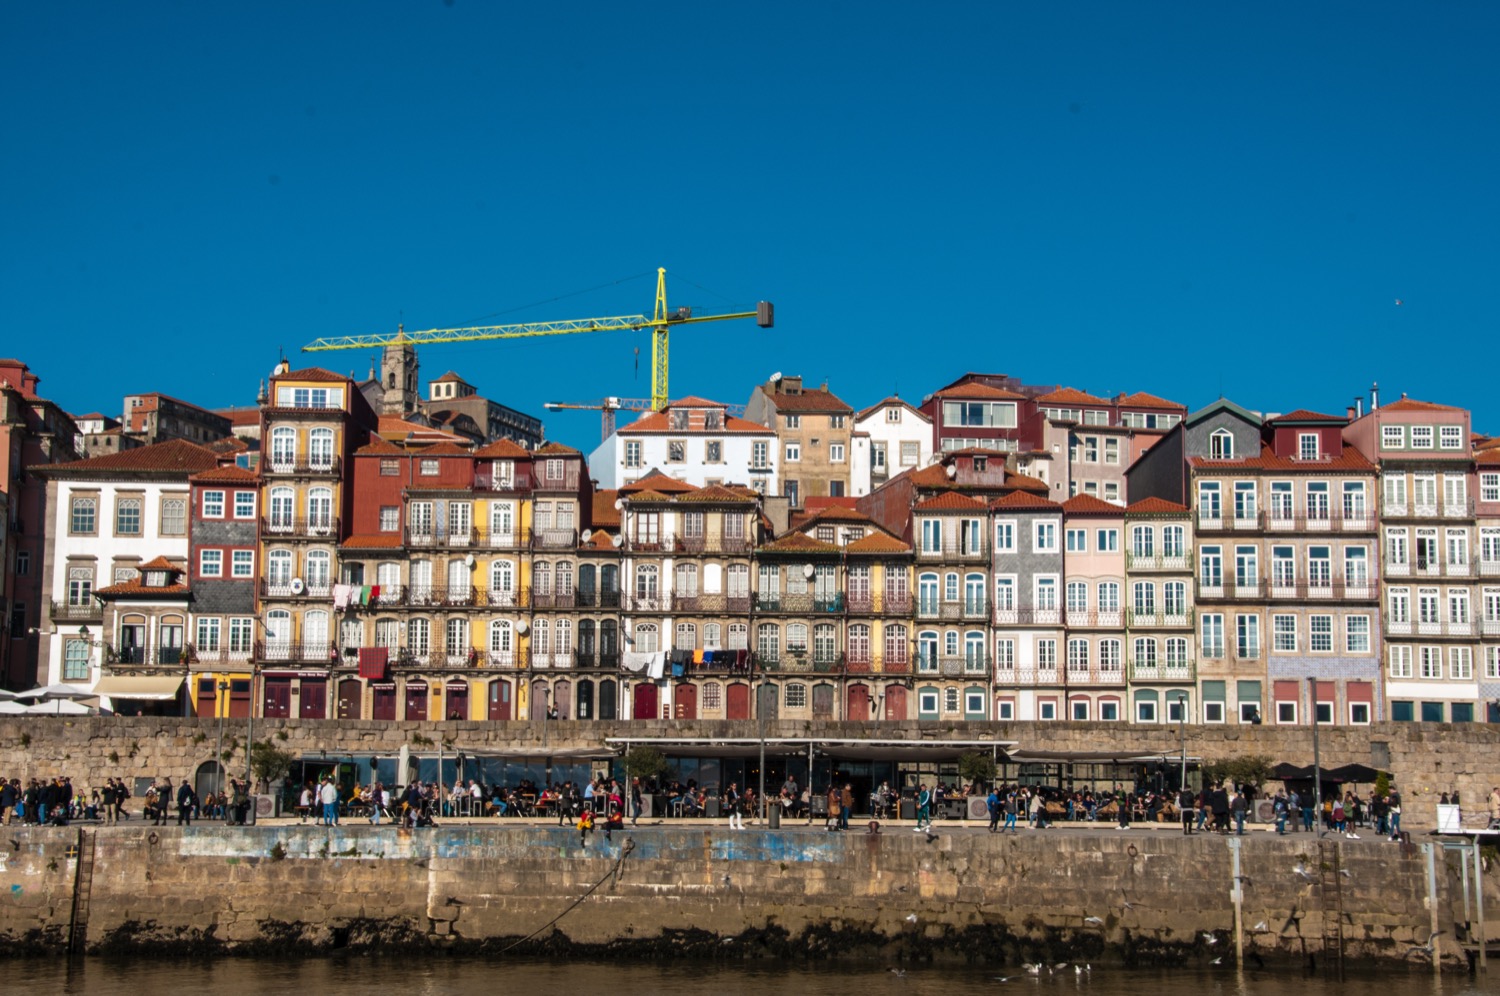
1382	784
1252	769
269	763
976	768
644	762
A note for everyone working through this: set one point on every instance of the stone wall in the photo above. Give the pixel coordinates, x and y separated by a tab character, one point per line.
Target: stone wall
1143	897
1424	758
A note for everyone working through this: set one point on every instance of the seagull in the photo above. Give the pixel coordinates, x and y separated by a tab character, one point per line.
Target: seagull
1059	966
1094	920
726	879
1345	872
1425	948
1300	870
1002	978
899	973
1128	904
727	940
1218	961
1033	969
1292	920
1259	928
912	918
1244	880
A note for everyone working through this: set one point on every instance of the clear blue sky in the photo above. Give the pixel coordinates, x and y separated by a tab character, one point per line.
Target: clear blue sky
1183	199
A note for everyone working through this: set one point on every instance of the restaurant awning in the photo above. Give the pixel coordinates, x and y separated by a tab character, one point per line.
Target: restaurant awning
138	687
1358	773
843	749
1093	756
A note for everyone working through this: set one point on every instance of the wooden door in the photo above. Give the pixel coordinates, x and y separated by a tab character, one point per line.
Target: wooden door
313	701
685	704
644	701
499	699
895	702
857	704
351	698
737	701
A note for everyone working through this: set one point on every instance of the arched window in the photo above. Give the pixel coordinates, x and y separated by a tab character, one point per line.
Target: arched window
502	582
796	637
646	638
646	579
283	506
318	571
686	583
563	578
541	578
419	638
686	637
315	646
283	448
825	644
320	509
320	449
502	642
279	568
897	648
859	644
768	642
1221	445
456	639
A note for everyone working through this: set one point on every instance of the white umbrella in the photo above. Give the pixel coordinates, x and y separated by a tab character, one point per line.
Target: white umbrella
403	762
9	708
5	696
56	692
59	707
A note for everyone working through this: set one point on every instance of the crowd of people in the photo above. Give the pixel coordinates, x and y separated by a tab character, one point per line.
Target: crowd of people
55	802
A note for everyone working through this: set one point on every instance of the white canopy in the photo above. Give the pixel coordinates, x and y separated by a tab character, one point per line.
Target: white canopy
56	692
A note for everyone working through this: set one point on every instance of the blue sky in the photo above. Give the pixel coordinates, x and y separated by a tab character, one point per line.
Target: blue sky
1186	199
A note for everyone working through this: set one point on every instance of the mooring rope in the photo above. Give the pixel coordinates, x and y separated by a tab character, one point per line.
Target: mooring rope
628	846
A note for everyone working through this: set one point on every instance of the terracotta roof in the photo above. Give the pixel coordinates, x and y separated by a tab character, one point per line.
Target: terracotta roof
888	402
693	401
1303	415
1350	459
1413	405
378	444
949	501
647	496
662	422
658	482
1026	482
1155	506
1488	458
598	540
838	514
229	444
373	541
97	415
1070	396
160	564
1023	500
557	449
1141	399
809	401
173	455
718	493
877	542
231	474
450	375
978	391
820	502
135	586
447	449
795	542
249	415
390	425
311	373
502	449
1089	505
605	515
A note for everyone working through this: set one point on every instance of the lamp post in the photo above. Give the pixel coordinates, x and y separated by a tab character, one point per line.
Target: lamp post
760	716
1182	737
219	749
1312	698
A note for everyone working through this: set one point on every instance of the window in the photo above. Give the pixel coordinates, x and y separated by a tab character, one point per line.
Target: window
1047	710
1077	540
1450	437
244	504
1213	712
836	452
1221	445
1284	633
1107	540
1286	712
793	452
1421	437
208	632
1005	594
1046	655
910	454
1401	711
1307	446
23	563
1046	594
1005	537
1320	634
128	517
1145	711
1431	659
893	414
676	450
76	660
1247	636
174	517
713	451
996	415
1173	541
1112	451
1489	487
1044	537
1461	663
210	563
760	454
242	564
390	468
794	421
1392	437
80	585
553	470
633	453
1211	634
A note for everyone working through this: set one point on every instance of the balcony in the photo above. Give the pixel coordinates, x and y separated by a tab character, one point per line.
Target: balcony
554	539
799	662
879	603
1095	675
438	595
295	588
1162	671
1327	588
1156	562
1489	568
567	481
718	603
799	605
553	661
589	661
954	551
553	599
319	652
507	660
1028	617
149	655
318	527
1232	588
1490	627
89	612
1095	620
1162	619
1350	522
592	599
222	655
301	465
725	545
1446	628
1217	521
959	666
516	483
976	608
650	602
1427	509
864	662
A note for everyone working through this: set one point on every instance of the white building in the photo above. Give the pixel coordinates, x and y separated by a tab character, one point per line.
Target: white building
889	437
107	519
694	441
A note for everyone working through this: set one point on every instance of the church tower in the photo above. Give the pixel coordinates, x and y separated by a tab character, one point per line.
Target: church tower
398	379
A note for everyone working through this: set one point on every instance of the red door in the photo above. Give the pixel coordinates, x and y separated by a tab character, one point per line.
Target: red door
416	702
351	692
645	703
858	706
383	701
206	698
499	700
314	700
686	702
895	702
458	702
278	698
737	701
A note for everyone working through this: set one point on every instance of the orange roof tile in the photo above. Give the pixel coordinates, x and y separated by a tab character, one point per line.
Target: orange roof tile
795	542
976	390
1303	415
1070	396
1488	457
1089	505
136	586
231	474
311	373
447	449
229	444
502	449
949	501
160	564
838	514
1026	482
886	403
877	542
1413	405
1350	459
379	444
645	496
809	401
605	515
598	540
557	449
1024	501
719	493
248	415
693	401
661	422
658	482
373	541
1141	399
1155	506
174	455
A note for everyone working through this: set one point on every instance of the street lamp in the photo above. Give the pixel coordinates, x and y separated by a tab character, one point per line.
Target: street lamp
760	717
1312	698
219	750
1182	737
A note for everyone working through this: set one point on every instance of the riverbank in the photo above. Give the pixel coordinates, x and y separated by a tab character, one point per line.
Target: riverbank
1127	898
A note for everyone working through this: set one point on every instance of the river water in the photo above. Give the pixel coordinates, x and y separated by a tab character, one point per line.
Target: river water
438	976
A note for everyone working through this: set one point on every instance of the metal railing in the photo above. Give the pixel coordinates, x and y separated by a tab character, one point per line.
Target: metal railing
954	550
956	609
69	612
301	464
1159	617
1157	562
1162	670
711	545
952	666
879	603
1091	619
319	527
800	604
1028	617
736	605
288	589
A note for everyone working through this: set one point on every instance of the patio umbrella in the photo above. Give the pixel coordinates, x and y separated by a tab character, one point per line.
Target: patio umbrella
56	692
58	707
10	708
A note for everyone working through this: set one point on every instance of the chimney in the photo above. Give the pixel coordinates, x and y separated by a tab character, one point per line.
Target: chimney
1359	405
1374	396
1349	413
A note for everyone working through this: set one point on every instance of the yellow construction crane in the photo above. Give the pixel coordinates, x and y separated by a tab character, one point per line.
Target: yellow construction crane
660	324
606	407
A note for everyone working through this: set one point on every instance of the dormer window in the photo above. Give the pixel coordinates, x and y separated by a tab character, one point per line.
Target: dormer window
1307	446
679	420
1221	445
157	579
980	463
893	414
713	420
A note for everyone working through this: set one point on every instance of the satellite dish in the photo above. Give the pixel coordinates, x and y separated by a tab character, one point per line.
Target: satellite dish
617	541
297	586
588	534
521	627
808	570
619	504
776	376
951	471
469	559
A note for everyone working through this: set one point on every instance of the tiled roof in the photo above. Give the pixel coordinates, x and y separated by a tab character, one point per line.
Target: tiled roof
657	482
1413	405
1022	500
1155	506
502	449
373	541
719	493
1488	457
647	496
226	475
447	449
1070	396
229	444
1141	399
598	540
91	415
979	392
949	501
809	401
1350	459
136	586
838	513
450	375
390	425
1025	482
1303	415
662	422
248	415
378	444
693	401
557	449
172	455
888	402
311	373
877	542
1089	505
160	564
605	515
795	542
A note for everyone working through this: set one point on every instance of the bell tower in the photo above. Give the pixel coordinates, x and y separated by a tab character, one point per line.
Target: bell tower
398	378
